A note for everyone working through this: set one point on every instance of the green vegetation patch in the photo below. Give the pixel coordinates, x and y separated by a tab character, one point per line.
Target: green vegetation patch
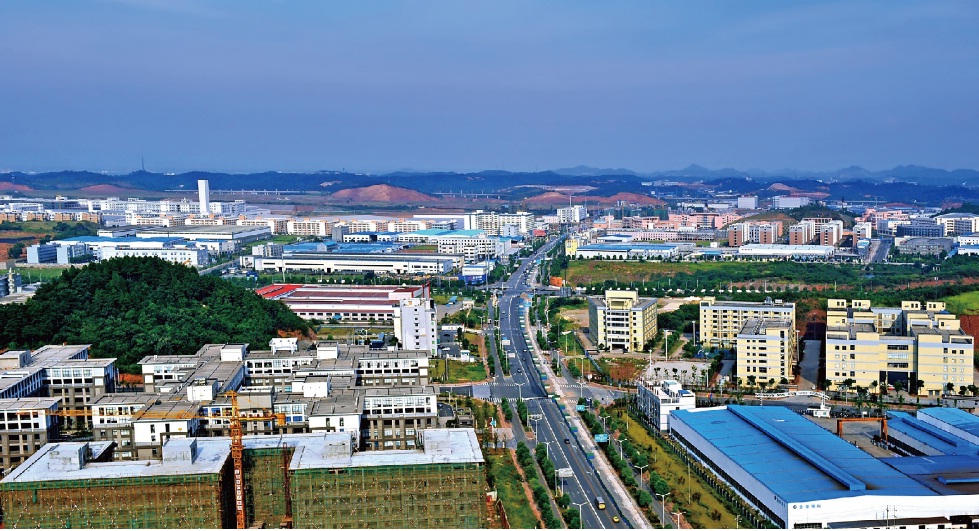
459	372
128	308
964	303
502	475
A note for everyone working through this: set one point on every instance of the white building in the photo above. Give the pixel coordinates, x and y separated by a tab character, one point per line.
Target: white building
572	214
796	252
958	223
657	399
749	202
782	202
415	323
189	256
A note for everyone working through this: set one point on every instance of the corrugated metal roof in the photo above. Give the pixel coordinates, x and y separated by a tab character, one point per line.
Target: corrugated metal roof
794	457
962	420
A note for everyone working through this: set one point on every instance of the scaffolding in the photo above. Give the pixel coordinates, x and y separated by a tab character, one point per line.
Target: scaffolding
427	496
202	501
265	503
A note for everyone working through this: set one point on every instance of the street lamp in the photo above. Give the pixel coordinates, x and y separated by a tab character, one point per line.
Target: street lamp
603	417
678	515
662	519
581	514
641	469
666	349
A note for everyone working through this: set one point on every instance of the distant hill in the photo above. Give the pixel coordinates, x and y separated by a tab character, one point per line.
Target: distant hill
383	193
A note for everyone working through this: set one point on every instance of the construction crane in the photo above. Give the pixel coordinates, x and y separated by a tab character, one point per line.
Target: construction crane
882	420
237	446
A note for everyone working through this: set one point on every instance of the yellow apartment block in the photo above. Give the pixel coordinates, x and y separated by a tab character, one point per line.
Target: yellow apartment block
922	347
621	319
766	350
721	321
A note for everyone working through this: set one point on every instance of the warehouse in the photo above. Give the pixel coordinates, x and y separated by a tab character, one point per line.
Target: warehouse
800	475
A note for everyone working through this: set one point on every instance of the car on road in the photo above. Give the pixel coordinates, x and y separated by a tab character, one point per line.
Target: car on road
567	440
615	518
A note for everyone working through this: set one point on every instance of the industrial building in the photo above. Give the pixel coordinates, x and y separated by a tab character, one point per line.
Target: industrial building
632	251
302	481
800	475
786	252
382	264
721	321
921	346
409	309
621	319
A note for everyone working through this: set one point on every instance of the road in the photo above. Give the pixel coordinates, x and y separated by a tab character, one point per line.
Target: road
585	484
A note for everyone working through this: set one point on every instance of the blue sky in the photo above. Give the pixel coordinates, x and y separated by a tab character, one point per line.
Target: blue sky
457	85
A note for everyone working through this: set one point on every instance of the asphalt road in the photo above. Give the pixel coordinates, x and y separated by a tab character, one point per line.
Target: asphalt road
524	382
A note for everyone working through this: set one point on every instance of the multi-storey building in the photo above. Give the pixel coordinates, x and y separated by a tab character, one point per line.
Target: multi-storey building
310	227
394	418
572	214
620	319
657	399
766	349
26	424
923	347
721	321
958	223
782	202
491	222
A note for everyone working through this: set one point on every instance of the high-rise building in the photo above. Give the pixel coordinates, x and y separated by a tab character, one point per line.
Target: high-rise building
204	191
766	350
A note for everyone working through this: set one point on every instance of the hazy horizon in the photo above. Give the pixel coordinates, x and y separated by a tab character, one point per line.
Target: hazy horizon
245	87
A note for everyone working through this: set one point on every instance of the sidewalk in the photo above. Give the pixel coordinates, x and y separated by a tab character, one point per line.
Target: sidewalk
626	503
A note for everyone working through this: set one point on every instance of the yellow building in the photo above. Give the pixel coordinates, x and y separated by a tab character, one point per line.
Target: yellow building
721	321
922	347
621	319
766	350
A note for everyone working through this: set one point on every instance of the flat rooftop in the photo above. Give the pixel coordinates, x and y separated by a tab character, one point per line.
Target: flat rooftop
794	457
313	451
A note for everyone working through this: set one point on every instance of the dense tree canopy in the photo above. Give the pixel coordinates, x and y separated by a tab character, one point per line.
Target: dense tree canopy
128	308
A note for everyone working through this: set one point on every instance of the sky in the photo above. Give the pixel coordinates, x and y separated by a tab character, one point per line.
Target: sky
376	86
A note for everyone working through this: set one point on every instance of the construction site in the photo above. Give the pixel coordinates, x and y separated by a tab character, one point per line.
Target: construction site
279	481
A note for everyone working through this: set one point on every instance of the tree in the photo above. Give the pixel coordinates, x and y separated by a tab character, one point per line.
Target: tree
826	384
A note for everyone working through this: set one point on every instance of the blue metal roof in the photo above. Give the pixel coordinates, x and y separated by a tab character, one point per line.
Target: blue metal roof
628	247
794	457
121	239
931	436
962	420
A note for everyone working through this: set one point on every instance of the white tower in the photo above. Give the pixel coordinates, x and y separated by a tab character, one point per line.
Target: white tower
204	191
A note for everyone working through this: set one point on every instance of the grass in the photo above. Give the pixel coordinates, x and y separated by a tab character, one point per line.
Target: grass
44	274
675	473
475	343
459	372
509	488
964	303
589	271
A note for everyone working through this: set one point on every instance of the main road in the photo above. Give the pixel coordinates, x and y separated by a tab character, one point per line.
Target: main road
524	381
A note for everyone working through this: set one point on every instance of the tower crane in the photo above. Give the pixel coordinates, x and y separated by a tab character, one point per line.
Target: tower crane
237	446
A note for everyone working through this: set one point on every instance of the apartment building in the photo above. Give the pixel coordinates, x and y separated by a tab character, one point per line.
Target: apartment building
476	248
492	222
310	227
721	321
921	346
956	224
747	232
572	214
766	349
621	320
748	202
279	225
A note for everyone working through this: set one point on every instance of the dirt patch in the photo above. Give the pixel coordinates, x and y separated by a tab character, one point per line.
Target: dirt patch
580	317
383	193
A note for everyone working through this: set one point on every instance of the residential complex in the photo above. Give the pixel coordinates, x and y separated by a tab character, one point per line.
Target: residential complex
722	321
621	320
921	346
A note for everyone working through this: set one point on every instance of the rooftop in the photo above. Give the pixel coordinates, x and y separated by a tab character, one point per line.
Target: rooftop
794	457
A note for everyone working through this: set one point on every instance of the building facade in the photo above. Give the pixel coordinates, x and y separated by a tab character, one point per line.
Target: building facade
621	320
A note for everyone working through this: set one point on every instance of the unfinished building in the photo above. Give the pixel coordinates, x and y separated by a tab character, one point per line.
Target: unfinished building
302	480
